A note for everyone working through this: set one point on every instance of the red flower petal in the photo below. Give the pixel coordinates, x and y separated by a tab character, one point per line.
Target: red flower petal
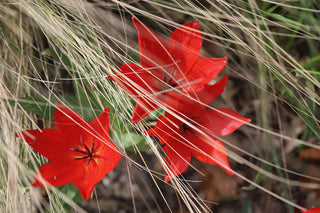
48	142
153	52
205	69
178	152
163	130
70	123
196	100
177	159
136	80
182	139
143	108
313	210
184	45
221	121
58	172
105	162
213	153
210	92
101	124
205	148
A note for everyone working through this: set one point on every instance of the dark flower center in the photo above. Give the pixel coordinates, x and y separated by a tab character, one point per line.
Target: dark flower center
85	151
185	128
169	82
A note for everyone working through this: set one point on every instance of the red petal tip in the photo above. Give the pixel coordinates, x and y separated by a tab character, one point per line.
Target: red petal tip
36	183
135	20
222	81
135	120
225	59
106	110
313	210
110	77
225	78
195	23
229	171
166	179
59	105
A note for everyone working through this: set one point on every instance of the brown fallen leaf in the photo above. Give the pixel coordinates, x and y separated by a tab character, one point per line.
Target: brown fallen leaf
216	185
310	154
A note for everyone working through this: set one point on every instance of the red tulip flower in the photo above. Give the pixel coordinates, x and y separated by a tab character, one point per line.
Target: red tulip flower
313	210
79	153
166	69
195	133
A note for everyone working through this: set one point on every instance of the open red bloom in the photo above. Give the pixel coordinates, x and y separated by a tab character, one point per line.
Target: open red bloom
79	153
313	210
174	67
194	133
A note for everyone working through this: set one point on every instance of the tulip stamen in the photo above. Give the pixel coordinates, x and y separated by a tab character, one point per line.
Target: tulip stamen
88	153
185	127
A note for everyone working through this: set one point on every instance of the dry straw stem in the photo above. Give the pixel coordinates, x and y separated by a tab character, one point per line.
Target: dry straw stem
97	37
